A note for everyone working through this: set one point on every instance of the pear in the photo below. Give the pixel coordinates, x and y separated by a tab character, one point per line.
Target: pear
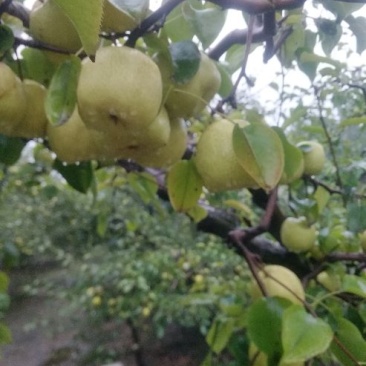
189	99
166	155
120	93
279	281
216	161
73	141
12	101
314	157
49	24
296	235
34	123
116	19
152	137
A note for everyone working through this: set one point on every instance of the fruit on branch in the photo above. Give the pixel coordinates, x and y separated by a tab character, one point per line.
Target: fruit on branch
330	281
166	155
216	160
258	358
49	24
120	93
154	136
116	19
189	99
314	157
12	101
34	123
73	141
279	281
296	235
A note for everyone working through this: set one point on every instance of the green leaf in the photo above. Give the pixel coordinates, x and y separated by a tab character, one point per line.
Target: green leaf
353	121
86	17
303	335
356	213
293	42
358	26
330	33
206	23
234	57
186	60
261	313
136	8
10	149
61	95
219	334
321	197
6	38
184	185
78	176
144	184
294	161
197	213
177	27
259	151
354	285
341	9
37	66
5	334
309	61
350	342
226	85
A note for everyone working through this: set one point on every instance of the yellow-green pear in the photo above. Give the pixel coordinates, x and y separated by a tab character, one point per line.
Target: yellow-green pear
314	157
34	123
166	155
279	281
73	141
116	19
120	93
156	134
189	99
152	137
12	101
297	235
49	24
216	161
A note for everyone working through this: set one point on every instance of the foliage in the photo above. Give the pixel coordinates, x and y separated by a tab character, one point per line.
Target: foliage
131	262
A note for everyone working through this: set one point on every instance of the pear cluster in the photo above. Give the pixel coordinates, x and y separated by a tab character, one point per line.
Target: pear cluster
120	111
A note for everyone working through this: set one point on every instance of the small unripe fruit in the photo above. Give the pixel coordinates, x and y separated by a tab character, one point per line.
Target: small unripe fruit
297	235
314	157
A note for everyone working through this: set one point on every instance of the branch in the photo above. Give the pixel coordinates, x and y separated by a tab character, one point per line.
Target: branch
256	7
151	20
18	41
17	10
329	140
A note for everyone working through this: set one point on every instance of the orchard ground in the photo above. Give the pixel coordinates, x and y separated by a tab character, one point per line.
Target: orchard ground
44	336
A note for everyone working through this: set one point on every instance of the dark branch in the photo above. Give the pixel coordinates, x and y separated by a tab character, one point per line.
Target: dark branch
151	20
256	7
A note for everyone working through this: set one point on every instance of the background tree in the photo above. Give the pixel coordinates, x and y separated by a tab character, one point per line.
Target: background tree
122	95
